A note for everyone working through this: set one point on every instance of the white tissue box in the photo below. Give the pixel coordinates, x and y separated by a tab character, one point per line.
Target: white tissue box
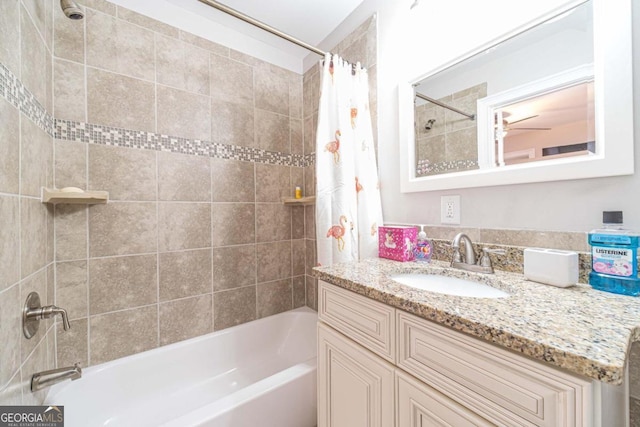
551	266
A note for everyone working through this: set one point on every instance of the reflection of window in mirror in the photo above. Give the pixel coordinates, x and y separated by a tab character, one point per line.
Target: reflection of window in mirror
557	124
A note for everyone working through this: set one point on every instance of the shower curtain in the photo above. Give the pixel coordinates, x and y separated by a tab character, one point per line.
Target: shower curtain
348	207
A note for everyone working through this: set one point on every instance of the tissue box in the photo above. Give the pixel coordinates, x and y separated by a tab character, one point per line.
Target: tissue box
396	242
551	266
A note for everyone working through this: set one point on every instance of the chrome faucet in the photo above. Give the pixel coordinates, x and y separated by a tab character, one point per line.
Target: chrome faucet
44	379
468	260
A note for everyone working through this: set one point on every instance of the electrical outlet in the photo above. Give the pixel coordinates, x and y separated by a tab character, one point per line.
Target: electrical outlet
450	209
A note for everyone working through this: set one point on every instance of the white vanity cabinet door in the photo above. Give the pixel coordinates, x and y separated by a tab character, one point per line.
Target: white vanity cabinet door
369	323
419	405
355	387
504	388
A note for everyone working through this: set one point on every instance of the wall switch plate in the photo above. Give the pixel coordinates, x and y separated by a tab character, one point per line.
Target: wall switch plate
450	209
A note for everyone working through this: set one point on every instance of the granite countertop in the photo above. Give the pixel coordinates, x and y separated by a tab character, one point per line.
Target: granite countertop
579	329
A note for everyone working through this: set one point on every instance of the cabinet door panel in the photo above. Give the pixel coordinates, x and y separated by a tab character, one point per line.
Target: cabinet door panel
355	387
421	406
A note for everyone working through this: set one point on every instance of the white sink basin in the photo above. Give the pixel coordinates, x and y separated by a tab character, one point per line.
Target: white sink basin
448	285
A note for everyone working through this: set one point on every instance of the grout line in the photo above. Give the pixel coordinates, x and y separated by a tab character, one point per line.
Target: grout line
157	246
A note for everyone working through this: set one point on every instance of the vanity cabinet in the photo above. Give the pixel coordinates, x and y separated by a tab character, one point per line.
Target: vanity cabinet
378	366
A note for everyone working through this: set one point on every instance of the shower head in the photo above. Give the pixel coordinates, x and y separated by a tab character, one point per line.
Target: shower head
71	9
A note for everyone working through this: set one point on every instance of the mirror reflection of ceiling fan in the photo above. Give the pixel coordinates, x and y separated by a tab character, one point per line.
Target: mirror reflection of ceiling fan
508	126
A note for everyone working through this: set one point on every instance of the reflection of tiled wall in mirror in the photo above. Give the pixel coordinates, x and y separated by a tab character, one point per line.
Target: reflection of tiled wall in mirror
445	140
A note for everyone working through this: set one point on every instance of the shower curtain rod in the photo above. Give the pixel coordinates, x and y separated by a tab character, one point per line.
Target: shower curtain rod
261	25
443	105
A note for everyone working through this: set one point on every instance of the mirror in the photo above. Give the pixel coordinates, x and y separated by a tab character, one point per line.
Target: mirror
529	107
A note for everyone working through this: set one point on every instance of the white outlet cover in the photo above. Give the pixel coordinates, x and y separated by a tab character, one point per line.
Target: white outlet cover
450	209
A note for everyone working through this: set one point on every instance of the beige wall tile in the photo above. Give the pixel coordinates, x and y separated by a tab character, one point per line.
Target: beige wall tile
10	333
233	224
274	261
70	165
72	345
299	292
273	222
72	289
182	65
70	232
234	307
36	166
11	395
295	135
184	177
232	123
9	147
68	39
185	318
274	297
36	362
312	292
144	21
234	267
310	222
122	333
274	183
297	222
310	181
309	134
183	113
462	145
204	43
122	228
232	181
272	89
101	5
69	91
184	274
38	12
231	81
184	226
310	253
573	241
298	257
33	57
9	241
33	229
116	45
10	35
311	92
35	283
244	58
272	131
119	283
126	173
295	96
120	101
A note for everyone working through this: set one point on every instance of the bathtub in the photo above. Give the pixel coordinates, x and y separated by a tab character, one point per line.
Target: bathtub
261	373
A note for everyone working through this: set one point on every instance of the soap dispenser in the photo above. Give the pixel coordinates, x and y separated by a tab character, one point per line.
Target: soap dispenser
422	250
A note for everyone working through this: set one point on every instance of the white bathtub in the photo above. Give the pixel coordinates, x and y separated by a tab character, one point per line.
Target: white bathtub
261	373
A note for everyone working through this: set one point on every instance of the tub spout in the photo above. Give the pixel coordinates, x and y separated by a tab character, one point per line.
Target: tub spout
44	379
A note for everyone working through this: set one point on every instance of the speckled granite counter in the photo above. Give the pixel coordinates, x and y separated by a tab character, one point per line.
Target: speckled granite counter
578	329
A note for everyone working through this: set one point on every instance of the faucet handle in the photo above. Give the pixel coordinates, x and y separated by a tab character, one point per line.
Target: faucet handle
485	261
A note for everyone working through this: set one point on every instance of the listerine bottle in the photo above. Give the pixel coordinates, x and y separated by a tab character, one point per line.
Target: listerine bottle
614	256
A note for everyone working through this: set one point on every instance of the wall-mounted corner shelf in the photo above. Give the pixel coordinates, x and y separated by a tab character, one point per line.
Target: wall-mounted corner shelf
73	196
310	200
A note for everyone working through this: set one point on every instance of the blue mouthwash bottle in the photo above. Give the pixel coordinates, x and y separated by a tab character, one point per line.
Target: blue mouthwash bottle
614	254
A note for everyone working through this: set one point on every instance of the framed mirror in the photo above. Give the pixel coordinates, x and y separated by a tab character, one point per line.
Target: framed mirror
549	101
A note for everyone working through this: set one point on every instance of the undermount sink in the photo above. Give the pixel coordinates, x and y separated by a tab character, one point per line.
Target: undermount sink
448	285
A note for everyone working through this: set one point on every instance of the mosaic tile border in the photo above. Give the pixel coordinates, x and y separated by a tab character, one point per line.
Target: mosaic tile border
425	167
12	89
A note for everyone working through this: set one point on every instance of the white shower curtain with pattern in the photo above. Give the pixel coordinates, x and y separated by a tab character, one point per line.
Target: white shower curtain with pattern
348	207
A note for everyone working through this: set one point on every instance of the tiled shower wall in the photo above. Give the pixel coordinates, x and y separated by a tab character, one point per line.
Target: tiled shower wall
26	164
195	237
359	46
196	144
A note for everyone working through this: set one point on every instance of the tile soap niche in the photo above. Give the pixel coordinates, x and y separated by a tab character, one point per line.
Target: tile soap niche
74	196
